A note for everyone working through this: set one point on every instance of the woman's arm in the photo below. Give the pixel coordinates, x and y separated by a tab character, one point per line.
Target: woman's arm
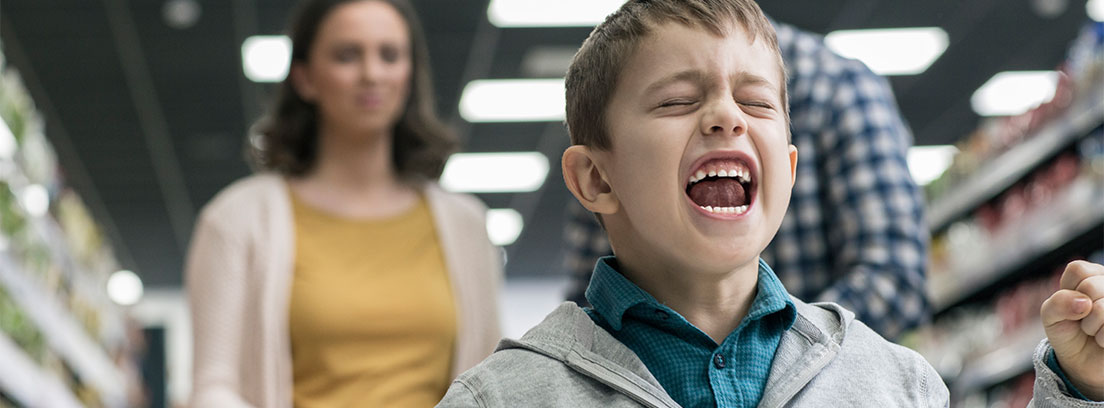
216	281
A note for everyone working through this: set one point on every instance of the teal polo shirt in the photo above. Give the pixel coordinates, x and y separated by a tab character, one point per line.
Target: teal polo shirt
693	369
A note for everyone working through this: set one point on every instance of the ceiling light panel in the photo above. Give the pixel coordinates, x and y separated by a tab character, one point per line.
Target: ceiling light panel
266	58
1014	92
495	172
891	51
513	100
544	13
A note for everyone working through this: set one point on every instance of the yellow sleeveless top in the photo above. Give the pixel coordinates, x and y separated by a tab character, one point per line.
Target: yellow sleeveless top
372	315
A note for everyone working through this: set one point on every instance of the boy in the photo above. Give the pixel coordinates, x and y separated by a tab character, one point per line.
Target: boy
678	118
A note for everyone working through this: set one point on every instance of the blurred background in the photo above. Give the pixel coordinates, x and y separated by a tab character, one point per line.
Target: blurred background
121	119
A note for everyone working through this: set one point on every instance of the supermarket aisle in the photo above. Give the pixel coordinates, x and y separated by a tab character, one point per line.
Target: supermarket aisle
1019	193
1022	199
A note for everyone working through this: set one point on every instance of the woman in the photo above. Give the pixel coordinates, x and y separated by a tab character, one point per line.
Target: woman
343	275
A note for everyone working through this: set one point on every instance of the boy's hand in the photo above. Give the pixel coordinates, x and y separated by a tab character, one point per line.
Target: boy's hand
1074	321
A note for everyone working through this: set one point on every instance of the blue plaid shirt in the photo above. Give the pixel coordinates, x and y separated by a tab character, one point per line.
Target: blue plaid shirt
854	233
691	367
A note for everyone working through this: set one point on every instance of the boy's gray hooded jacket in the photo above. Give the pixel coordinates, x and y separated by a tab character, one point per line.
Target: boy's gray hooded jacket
827	359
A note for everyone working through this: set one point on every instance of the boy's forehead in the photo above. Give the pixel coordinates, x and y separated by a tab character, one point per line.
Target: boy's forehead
672	49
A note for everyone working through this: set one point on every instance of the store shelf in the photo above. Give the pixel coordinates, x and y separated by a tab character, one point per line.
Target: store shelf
998	174
1010	359
27	382
1082	211
63	334
80	280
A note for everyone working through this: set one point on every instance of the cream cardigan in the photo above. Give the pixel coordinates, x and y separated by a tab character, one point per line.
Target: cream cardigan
239	271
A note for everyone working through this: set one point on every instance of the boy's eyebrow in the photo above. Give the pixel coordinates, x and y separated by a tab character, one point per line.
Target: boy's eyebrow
692	75
699	77
746	78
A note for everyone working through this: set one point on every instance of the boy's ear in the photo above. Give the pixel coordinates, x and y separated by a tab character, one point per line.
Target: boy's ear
793	165
302	83
586	182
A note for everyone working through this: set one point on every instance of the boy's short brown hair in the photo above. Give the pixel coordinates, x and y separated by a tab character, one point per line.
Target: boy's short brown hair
592	77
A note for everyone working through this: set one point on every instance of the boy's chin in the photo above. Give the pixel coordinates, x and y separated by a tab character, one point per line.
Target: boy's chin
721	262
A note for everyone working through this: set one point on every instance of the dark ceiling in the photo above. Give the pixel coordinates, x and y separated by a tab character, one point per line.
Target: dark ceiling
149	120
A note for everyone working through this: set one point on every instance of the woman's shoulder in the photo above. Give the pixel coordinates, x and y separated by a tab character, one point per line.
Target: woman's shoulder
247	196
457	203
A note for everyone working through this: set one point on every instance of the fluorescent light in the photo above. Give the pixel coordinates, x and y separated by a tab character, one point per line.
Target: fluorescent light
503	226
1014	92
495	172
513	100
7	141
35	199
1095	9
927	163
544	13
181	14
124	288
891	51
265	58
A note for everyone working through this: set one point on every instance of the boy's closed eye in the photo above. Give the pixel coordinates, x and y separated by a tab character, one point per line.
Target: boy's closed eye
760	109
677	102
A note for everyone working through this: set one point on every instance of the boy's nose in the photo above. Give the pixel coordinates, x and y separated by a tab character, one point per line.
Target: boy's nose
724	118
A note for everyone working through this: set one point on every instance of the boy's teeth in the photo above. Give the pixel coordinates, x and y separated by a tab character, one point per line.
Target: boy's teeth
741	174
726	210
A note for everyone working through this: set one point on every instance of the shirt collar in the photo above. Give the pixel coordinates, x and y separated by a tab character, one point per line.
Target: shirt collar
611	295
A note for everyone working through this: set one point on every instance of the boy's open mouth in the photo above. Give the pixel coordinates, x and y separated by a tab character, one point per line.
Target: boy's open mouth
722	186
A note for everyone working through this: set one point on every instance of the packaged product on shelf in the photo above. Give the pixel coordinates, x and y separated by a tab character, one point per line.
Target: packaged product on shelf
1016	392
20	329
1085	60
12	222
83	236
1080	88
1010	225
986	342
15	105
1091	151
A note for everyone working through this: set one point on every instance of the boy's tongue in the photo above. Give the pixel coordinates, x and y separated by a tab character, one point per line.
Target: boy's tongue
722	192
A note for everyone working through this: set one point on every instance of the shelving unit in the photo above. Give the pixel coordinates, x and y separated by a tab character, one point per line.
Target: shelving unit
1081	210
1000	173
1002	362
68	345
64	335
23	380
49	232
1003	228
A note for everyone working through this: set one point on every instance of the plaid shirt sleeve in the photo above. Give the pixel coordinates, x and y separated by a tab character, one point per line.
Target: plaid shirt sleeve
869	210
585	242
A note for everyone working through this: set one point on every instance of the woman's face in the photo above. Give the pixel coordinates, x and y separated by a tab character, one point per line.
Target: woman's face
358	69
